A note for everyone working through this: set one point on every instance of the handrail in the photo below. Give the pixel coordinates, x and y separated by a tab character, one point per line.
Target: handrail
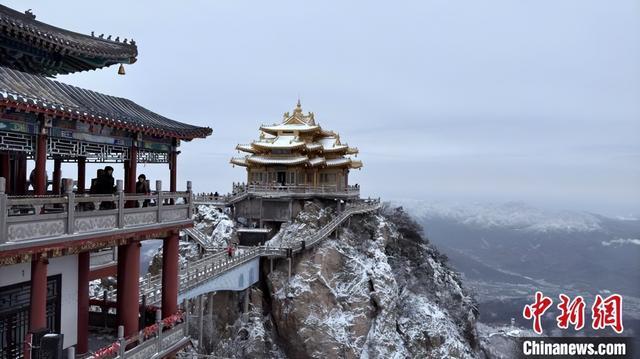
217	263
158	338
71	213
240	191
200	238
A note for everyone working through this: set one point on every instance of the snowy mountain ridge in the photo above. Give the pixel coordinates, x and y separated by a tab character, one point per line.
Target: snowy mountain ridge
511	215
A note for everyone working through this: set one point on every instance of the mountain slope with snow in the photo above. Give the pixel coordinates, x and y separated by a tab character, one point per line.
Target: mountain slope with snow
378	290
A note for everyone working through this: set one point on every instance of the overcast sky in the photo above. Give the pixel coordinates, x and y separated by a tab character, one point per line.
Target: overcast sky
536	101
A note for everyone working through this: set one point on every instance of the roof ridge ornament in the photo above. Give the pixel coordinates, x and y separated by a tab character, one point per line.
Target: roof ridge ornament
298	109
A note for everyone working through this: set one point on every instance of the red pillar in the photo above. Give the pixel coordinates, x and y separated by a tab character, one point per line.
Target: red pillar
21	173
82	176
38	317
5	170
173	171
129	287
131	174
83	303
170	274
40	185
57	176
120	276
126	176
173	167
130	180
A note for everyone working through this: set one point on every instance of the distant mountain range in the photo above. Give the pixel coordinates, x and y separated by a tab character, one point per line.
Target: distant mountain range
507	251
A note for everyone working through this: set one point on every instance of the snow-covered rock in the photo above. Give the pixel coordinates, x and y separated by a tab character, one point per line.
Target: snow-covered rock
216	225
377	290
371	293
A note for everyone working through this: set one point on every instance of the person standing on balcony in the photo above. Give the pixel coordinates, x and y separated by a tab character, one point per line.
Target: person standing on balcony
96	185
109	182
142	187
105	185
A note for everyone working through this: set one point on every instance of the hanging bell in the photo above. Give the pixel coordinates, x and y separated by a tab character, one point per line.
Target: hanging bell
121	70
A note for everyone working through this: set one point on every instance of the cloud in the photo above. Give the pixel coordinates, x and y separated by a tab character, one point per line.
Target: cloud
517	100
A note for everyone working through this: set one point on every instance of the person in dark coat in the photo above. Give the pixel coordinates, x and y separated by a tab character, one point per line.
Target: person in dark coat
142	187
106	186
96	183
109	182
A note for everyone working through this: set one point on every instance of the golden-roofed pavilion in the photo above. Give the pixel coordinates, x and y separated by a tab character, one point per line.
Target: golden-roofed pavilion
298	151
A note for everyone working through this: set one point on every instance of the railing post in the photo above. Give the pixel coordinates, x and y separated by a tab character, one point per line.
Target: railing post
143	319
71	205
3	207
121	341
159	330
200	322
105	309
120	191
185	304
159	199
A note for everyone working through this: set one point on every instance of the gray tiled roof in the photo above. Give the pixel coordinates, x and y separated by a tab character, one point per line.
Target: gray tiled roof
39	94
50	50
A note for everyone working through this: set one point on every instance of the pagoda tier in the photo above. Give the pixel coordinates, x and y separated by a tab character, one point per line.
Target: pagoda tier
297	152
35	47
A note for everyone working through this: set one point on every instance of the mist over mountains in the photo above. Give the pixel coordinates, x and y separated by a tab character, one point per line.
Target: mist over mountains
507	251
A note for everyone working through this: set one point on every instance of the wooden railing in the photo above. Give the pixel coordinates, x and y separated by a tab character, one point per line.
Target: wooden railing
25	218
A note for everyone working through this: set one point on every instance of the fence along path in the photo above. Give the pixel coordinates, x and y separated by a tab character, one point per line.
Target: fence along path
218	262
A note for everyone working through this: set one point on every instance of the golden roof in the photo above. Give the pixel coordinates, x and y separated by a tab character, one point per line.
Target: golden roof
303	142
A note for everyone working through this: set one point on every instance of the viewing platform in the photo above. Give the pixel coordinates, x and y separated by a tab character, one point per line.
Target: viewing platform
72	219
242	191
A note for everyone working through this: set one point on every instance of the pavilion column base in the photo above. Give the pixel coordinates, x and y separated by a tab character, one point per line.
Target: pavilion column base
128	287
38	293
82	346
170	260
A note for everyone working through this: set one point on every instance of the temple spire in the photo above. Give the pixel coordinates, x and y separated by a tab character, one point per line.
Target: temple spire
298	108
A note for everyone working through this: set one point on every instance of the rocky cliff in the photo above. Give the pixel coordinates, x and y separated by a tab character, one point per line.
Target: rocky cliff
377	289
